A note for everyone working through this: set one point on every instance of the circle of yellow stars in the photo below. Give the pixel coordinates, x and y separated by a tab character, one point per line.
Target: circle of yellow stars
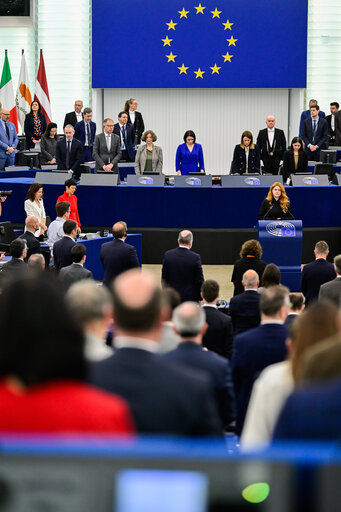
199	73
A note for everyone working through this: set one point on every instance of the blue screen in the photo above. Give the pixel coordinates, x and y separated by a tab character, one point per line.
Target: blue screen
192	44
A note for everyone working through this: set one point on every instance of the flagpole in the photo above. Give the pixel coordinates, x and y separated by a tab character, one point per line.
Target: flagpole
22	52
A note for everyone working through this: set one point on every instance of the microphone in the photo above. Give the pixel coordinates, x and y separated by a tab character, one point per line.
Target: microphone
268	211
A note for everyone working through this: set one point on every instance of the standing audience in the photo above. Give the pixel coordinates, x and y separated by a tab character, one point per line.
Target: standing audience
317	272
250	258
244	308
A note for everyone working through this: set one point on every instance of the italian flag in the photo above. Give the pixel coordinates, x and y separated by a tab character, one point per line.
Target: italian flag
6	92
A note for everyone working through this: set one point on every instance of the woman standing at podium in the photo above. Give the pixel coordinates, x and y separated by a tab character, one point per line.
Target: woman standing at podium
276	205
189	155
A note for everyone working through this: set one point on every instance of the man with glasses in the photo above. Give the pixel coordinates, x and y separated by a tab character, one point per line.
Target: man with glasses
8	140
107	149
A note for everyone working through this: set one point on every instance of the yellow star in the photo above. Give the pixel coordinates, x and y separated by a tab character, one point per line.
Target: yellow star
232	41
200	9
215	13
227	57
183	69
171	24
228	25
183	13
166	41
199	73
215	69
171	57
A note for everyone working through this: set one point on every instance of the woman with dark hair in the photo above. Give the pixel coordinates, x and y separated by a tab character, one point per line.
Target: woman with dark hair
295	159
135	118
246	156
271	276
48	144
189	155
148	156
250	258
35	125
42	367
34	205
270	391
276	205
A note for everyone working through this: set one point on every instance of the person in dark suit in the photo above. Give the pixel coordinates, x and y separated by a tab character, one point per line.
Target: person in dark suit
126	134
296	307
134	118
18	251
182	270
69	152
76	271
331	121
244	308
250	257
74	117
219	334
306	115
246	156
276	205
163	398
189	323
316	273
295	159
314	134
85	132
258	348
31	226
35	125
332	290
272	145
117	256
8	140
107	149
62	248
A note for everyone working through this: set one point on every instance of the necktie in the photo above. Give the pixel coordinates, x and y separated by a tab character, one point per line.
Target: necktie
7	129
314	130
68	151
123	133
88	134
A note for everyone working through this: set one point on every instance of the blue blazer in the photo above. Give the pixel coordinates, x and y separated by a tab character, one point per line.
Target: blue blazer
244	311
29	127
182	270
62	252
321	136
80	132
192	355
239	160
312	413
315	274
163	399
254	350
117	257
130	138
5	142
305	115
219	335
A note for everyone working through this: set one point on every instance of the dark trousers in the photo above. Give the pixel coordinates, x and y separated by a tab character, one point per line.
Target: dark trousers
125	155
271	163
313	156
87	154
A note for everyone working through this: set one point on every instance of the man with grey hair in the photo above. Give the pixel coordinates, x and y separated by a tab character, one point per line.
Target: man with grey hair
74	117
244	308
272	145
36	263
190	325
258	348
182	270
332	290
8	139
317	272
92	308
85	132
107	149
69	152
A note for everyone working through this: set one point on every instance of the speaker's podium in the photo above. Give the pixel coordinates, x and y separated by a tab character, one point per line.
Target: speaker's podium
281	241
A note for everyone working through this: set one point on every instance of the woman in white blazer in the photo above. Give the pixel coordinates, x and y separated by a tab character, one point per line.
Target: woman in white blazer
34	205
148	156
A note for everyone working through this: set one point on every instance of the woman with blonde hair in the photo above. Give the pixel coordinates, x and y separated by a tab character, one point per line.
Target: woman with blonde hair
135	118
276	205
246	156
148	156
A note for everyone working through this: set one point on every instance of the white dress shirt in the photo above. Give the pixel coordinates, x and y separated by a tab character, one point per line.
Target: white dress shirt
132	116
271	135
79	116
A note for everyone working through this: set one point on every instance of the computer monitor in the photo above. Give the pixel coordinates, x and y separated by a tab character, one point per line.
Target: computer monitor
31	158
327	169
328	156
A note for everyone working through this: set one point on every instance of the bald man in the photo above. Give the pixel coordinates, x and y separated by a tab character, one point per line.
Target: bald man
244	308
31	226
117	256
182	270
163	398
272	144
8	140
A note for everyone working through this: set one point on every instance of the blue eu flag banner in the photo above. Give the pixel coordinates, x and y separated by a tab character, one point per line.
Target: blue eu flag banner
192	44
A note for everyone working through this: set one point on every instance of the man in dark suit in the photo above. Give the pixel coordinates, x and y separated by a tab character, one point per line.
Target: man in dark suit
85	132
163	398
75	272
296	307
331	121
8	140
33	246
332	290
317	272
306	115
189	323
74	117
244	308
117	256
107	149
182	270
272	144
314	134
258	348
126	133
69	152
62	248
219	334
18	251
